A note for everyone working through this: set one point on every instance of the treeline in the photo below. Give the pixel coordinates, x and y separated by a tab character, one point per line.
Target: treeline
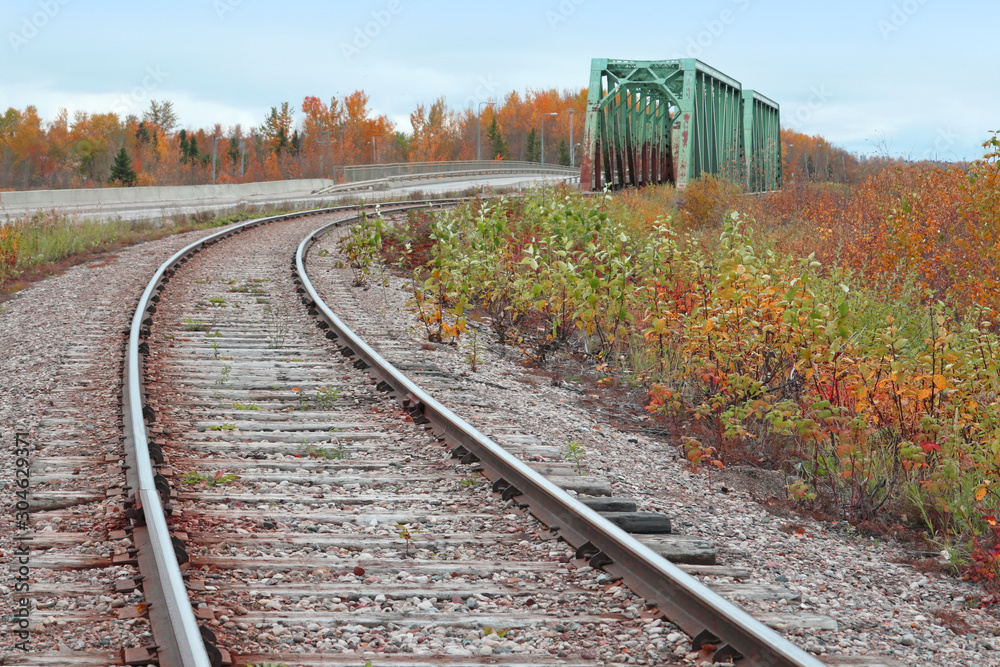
310	141
316	138
813	159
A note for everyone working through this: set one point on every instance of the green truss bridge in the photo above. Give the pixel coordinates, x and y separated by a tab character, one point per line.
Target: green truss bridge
669	121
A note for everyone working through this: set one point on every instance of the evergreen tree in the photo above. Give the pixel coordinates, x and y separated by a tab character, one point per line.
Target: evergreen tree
564	153
235	152
533	149
193	153
498	145
142	134
296	142
122	171
184	145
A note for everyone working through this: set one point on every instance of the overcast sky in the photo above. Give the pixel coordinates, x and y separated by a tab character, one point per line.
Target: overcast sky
917	77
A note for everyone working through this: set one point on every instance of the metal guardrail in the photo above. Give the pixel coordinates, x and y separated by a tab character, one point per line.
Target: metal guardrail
401	170
696	609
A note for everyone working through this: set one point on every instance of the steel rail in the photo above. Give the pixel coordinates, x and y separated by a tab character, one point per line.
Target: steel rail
700	612
180	641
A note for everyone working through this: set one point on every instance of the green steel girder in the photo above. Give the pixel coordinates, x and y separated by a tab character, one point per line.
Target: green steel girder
669	121
761	142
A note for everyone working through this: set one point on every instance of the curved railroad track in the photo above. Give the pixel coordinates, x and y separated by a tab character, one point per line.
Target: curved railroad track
339	532
292	497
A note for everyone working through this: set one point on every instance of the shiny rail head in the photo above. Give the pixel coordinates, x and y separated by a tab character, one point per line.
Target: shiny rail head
181	640
698	610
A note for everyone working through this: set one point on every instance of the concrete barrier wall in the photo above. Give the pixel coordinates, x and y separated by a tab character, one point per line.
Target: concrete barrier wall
99	196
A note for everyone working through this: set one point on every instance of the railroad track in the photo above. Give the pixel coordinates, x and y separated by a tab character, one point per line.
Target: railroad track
295	498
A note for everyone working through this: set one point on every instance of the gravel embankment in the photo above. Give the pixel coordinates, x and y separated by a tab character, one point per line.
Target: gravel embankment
883	605
61	342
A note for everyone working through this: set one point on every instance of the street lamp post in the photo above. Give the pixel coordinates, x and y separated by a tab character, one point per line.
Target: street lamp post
572	151
554	113
479	127
215	141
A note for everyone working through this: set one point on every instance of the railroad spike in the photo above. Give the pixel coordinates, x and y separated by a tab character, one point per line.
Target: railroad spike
162	486
600	559
702	638
510	492
208	634
214	655
180	550
726	653
141	655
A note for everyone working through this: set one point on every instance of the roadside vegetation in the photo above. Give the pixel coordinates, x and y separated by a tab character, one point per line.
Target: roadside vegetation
46	243
844	334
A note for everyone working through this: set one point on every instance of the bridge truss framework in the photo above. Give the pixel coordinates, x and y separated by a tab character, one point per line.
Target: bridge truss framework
670	121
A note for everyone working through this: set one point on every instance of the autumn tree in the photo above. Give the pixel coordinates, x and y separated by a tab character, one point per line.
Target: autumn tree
161	114
364	131
277	127
122	171
813	158
78	150
435	133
